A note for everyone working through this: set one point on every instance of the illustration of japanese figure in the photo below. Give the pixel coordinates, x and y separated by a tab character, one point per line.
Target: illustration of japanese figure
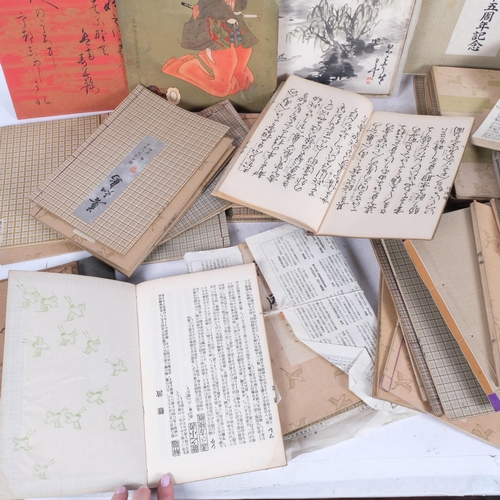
218	31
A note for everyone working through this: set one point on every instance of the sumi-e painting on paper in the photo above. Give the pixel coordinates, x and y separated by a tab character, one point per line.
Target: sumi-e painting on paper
356	45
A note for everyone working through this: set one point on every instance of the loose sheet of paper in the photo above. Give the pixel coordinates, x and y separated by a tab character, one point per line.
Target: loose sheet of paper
212	259
314	287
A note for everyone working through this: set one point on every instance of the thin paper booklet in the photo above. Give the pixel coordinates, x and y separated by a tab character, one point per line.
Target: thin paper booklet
322	159
449	266
107	383
125	187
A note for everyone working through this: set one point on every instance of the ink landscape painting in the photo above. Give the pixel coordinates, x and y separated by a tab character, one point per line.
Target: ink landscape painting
356	45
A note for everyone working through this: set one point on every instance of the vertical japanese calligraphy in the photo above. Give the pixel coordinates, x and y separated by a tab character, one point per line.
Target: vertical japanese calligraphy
477	31
483	26
420	180
322	159
62	58
307	145
400	177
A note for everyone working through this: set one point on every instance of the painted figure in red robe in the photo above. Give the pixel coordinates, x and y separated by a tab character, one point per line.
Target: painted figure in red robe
218	31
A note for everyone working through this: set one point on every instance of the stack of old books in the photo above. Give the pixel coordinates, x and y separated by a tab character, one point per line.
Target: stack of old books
438	326
150	181
169	209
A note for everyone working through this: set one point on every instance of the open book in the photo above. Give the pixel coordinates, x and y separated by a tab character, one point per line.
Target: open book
321	159
108	383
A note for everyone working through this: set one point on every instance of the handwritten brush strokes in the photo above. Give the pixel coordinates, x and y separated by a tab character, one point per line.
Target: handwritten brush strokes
357	45
61	57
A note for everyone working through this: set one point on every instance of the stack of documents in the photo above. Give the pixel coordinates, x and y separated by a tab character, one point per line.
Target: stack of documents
438	330
321	332
31	153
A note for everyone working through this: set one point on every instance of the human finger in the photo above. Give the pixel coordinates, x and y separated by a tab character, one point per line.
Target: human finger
120	494
165	488
143	493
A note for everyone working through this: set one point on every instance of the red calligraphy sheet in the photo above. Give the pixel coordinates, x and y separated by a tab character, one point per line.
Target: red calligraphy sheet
61	56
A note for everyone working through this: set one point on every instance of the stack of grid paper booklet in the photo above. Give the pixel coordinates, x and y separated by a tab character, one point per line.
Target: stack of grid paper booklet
168	209
438	325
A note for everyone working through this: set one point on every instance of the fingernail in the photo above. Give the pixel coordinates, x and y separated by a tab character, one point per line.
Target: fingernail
165	480
143	493
120	490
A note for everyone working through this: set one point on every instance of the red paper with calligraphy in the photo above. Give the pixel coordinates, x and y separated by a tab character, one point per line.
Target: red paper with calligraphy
61	56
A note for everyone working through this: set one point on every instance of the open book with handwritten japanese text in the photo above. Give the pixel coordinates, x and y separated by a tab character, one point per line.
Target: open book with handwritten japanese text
107	383
322	159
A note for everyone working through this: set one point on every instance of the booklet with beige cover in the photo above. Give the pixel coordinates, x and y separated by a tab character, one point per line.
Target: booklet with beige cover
29	153
402	382
319	158
429	390
449	267
81	414
487	237
121	191
460	394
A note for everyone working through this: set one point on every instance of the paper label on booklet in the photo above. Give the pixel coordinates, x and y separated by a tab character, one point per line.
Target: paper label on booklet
118	180
477	32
